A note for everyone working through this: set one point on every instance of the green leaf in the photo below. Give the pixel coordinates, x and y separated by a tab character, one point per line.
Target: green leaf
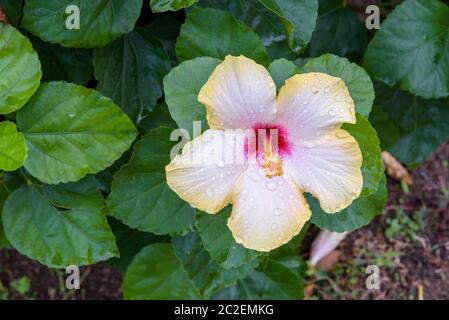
156	274
59	225
181	88
101	21
411	48
130	71
140	196
8	183
165	29
13	149
411	127
277	278
357	215
338	31
170	5
355	77
218	241
13	9
299	18
282	69
215	33
129	243
368	141
262	20
71	131
20	69
207	275
160	117
59	63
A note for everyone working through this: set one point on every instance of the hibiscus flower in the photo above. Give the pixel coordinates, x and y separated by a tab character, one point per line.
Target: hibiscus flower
263	152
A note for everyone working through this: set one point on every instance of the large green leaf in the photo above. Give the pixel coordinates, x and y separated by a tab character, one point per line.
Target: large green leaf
357	215
282	69
140	196
276	278
71	131
411	49
262	20
368	142
8	183
299	18
60	63
129	243
130	71
218	241
13	9
13	149
181	88
170	5
410	127
338	31
101	21
355	77
156	274
216	33
59	225
207	275
165	29
160	117
20	69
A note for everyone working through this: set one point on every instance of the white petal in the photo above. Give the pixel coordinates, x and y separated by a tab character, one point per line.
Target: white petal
238	94
326	242
266	212
330	170
205	173
312	105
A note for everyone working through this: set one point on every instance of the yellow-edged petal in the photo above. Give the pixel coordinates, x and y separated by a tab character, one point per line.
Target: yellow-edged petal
266	213
205	173
238	94
330	170
311	105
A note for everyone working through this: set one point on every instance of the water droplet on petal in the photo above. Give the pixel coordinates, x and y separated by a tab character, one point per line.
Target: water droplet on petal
210	192
332	113
271	185
274	226
327	89
277	212
291	197
315	90
220	164
305	102
238	240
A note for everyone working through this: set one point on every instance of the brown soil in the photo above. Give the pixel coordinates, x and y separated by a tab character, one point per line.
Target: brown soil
409	243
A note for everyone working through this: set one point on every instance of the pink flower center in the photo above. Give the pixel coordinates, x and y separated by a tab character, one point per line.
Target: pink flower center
270	144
